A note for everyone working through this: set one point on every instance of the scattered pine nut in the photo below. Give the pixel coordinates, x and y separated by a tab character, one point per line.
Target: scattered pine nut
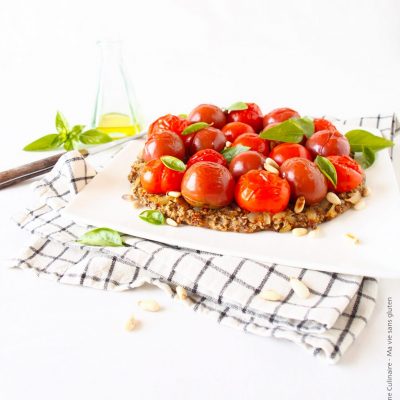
367	191
333	198
272	162
149	305
181	293
314	233
174	194
131	324
271	295
270	168
360	205
299	288
299	206
136	204
228	144
128	197
171	222
353	238
299	231
354	198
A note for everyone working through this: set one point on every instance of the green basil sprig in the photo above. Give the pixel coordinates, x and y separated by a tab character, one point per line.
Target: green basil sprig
173	163
197	126
327	168
238	106
101	237
153	217
366	158
230	152
290	131
69	138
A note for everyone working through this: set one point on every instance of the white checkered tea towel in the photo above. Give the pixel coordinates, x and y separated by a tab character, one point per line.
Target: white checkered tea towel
226	288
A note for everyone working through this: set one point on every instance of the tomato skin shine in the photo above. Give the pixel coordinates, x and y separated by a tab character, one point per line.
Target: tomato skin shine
253	141
284	151
208	138
305	179
245	162
251	116
234	129
262	191
169	122
207	184
321	124
279	115
349	173
156	178
208	113
164	144
207	155
328	142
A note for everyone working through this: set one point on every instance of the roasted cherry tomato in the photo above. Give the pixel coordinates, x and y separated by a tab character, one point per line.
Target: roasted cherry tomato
259	191
208	113
305	179
251	116
207	184
321	124
164	144
328	143
207	155
235	129
253	141
284	151
167	122
349	173
207	138
245	162
279	115
155	178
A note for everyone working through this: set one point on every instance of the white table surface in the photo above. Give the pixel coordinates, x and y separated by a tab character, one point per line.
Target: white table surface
61	342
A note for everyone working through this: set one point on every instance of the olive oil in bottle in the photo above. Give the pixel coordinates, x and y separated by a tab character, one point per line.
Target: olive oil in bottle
117	125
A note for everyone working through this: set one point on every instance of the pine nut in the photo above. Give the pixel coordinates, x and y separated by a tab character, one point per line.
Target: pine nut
128	197
149	305
333	198
130	324
271	295
181	293
299	206
360	205
353	238
174	194
171	222
267	218
299	231
354	198
367	191
272	162
228	144
270	168
136	204
299	288
314	233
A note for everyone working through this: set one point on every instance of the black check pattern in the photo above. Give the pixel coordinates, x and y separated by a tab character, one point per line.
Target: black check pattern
226	288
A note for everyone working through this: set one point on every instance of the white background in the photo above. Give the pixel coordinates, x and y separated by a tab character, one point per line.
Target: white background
320	57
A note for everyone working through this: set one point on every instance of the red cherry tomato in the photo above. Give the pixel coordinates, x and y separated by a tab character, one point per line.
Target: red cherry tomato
321	124
164	144
328	143
284	151
207	138
245	162
253	141
235	129
208	113
349	173
259	191
251	116
207	155
207	184
167	122
305	179
157	178
279	115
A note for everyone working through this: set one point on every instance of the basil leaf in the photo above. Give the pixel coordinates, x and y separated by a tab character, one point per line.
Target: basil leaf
327	168
77	130
47	142
366	158
307	124
184	116
61	123
94	136
195	127
240	105
173	163
290	131
101	237
359	138
68	144
153	217
230	152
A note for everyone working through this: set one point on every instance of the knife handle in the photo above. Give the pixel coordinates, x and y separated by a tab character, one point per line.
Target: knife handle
28	171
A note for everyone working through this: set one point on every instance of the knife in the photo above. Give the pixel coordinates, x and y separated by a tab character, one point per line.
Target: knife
27	171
